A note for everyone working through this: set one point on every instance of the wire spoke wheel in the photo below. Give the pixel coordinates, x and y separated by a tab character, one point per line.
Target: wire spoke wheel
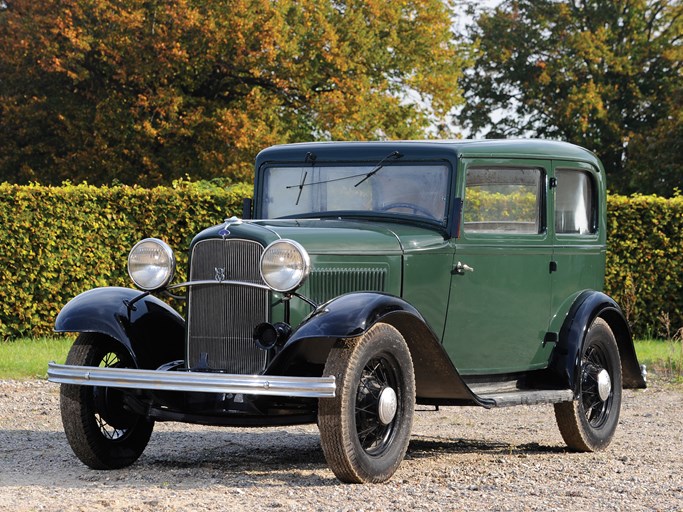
365	429
102	432
374	433
109	431
589	423
595	407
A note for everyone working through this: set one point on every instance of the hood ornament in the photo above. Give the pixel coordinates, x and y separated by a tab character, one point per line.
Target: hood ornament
232	221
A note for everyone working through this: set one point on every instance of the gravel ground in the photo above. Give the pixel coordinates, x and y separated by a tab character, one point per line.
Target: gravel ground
459	459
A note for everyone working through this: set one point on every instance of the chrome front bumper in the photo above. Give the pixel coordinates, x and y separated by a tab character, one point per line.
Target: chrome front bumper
201	382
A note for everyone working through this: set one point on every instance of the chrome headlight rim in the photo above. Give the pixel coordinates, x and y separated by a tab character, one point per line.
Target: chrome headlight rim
169	269
301	274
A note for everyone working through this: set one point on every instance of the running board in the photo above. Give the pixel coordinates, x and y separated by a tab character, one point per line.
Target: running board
529	397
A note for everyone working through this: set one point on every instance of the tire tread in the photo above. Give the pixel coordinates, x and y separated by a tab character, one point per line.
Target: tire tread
334	416
78	412
570	418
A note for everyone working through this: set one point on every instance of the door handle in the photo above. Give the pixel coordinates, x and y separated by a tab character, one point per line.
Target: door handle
460	268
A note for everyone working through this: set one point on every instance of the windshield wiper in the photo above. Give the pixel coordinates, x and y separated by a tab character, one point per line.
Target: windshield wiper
301	187
367	175
379	165
310	157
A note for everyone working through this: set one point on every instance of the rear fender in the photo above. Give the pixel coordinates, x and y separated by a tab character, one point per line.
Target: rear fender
151	331
352	315
565	359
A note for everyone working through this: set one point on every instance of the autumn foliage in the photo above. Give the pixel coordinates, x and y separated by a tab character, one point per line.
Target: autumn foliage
147	91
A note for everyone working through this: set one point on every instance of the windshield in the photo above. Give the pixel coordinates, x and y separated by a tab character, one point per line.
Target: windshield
418	189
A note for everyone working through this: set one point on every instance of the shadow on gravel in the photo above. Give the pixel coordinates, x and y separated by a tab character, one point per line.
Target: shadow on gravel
193	459
424	447
243	450
175	459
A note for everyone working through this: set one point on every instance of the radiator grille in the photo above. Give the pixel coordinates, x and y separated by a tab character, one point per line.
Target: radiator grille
328	283
221	318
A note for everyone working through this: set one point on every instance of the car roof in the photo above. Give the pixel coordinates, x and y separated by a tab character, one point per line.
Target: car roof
464	148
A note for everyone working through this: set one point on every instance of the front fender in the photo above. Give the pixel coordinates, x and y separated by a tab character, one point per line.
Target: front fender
151	331
565	359
353	314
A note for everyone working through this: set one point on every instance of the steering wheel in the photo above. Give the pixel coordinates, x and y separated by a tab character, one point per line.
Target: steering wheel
411	206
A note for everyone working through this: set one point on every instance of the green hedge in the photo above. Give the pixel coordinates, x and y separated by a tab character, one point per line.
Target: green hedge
645	261
483	205
59	241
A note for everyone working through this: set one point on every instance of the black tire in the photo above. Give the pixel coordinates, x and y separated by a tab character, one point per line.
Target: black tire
588	423
362	444
101	432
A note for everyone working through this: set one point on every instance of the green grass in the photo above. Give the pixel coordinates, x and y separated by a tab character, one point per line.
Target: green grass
662	357
27	358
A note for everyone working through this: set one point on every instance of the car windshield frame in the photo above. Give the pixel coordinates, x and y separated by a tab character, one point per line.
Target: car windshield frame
415	191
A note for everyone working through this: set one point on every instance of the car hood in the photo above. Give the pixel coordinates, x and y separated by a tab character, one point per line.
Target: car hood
333	236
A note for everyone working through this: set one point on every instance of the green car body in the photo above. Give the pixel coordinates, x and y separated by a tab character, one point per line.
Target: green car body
380	274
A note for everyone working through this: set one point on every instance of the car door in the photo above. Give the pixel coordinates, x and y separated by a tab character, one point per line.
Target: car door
579	240
500	285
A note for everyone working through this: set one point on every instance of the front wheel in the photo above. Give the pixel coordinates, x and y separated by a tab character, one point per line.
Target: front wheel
101	431
588	423
365	429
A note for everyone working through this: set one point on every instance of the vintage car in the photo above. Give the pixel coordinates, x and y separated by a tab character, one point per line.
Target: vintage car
364	278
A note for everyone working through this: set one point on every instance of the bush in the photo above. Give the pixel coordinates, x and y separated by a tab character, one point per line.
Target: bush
60	241
645	261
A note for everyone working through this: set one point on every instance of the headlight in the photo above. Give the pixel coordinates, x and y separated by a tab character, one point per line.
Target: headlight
285	265
151	264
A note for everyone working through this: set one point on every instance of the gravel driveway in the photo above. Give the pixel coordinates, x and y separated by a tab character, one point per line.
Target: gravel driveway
459	459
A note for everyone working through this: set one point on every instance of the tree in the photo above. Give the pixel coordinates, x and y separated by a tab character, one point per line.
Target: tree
605	74
655	156
146	91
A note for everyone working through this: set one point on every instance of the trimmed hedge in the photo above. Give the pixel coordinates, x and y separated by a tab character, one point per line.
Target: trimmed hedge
59	241
645	262
483	205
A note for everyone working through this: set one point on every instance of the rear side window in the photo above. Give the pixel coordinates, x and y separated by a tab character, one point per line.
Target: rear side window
574	203
503	200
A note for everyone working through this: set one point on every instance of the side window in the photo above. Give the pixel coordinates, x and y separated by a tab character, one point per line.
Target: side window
574	203
503	200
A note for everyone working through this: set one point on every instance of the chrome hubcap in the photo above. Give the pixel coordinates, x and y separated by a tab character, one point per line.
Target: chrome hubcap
604	385
387	405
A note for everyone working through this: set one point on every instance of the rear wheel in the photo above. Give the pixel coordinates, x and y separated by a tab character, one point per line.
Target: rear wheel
101	431
366	428
588	423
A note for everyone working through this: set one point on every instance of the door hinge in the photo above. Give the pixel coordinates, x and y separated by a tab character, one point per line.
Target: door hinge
550	337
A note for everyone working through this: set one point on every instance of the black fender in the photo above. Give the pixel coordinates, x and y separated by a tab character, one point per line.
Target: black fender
151	331
353	314
565	359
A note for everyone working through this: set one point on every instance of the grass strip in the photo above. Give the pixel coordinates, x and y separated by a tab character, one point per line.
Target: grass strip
27	358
